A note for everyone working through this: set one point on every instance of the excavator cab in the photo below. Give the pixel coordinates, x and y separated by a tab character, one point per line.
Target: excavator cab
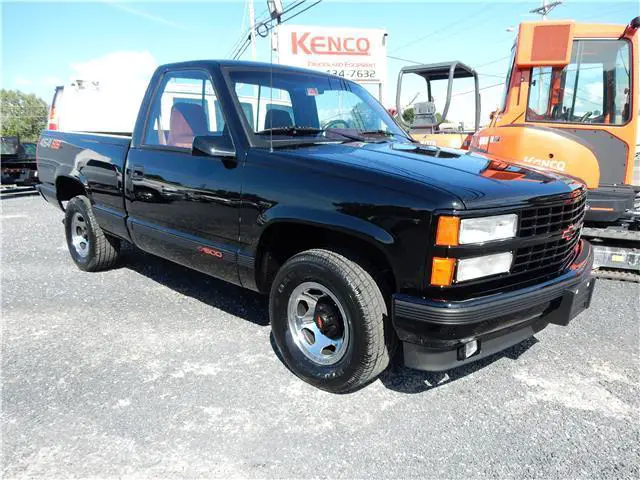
571	105
425	123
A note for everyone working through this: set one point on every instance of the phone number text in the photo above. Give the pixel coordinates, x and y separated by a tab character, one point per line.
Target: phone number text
353	73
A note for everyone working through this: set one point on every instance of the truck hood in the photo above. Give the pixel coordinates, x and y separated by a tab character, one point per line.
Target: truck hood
479	181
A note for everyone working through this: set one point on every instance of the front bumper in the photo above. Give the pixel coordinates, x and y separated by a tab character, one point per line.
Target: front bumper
434	332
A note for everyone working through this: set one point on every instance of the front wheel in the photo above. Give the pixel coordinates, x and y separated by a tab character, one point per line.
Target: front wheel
328	320
90	248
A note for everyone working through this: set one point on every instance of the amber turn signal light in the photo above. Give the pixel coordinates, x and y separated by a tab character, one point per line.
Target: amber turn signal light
447	232
442	271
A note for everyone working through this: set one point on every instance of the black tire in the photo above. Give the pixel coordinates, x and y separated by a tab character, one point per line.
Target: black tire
369	344
102	251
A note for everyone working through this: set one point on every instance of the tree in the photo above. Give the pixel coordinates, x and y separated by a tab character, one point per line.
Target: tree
24	115
409	115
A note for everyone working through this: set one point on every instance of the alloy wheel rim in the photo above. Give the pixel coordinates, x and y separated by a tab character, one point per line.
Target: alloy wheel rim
80	235
318	323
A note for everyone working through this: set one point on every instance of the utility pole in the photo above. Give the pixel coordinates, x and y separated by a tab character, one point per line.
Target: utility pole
546	8
252	26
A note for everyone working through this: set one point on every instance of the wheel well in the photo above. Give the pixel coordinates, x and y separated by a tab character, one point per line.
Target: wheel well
281	241
67	188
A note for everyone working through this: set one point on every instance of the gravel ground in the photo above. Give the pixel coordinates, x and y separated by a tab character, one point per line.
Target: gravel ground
152	370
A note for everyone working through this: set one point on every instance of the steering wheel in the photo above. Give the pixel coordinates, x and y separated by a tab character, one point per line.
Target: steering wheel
339	123
585	117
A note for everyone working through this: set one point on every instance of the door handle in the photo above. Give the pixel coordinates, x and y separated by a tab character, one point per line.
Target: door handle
137	171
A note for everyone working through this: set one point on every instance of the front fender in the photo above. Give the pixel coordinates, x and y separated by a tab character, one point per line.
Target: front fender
399	235
327	219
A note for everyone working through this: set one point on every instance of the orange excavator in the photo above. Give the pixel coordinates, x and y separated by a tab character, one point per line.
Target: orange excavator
571	105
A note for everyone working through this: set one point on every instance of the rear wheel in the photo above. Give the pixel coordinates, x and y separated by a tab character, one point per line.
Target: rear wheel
90	248
328	320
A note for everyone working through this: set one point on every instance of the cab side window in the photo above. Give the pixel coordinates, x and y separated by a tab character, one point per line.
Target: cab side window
185	106
265	107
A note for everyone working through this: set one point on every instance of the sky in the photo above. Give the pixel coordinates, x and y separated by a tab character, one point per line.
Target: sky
48	44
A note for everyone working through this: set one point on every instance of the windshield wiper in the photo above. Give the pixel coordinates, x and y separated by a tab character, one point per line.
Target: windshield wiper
362	135
292	130
302	131
377	132
295	131
357	138
386	133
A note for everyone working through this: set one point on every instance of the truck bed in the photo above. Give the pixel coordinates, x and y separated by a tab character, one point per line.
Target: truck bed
96	160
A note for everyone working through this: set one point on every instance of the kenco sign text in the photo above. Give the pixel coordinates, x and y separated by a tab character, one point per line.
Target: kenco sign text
358	54
307	44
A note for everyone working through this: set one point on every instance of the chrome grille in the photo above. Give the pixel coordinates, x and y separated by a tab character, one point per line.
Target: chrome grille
562	218
549	256
552	218
546	243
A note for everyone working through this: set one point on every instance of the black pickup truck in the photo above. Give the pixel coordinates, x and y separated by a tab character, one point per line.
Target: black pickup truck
300	185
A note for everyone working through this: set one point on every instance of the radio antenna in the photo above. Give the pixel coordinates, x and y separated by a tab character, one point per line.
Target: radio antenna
271	95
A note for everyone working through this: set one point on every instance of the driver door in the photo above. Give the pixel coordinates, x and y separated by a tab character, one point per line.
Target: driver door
181	206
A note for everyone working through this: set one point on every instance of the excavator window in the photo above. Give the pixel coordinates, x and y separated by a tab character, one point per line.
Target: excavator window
594	88
507	83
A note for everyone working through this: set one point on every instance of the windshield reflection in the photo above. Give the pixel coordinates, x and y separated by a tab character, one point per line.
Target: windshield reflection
281	105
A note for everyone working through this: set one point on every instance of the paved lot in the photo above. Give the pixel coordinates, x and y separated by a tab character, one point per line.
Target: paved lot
153	370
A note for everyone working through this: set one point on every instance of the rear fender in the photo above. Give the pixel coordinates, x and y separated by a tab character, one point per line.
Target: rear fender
69	176
81	161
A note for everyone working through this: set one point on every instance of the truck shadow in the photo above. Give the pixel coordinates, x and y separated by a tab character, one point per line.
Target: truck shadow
406	380
219	294
253	307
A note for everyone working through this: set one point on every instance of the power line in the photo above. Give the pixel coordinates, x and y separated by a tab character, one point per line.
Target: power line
491	75
302	11
420	63
478	66
480	89
268	24
455	23
608	11
240	44
493	61
404	60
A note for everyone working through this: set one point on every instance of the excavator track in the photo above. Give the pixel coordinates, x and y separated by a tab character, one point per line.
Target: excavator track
611	274
613	234
619	259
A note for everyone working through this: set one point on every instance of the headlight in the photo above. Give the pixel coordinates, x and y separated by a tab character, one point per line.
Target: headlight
453	231
476	267
488	229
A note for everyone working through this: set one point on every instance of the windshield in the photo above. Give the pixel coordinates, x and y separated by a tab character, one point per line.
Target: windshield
8	145
594	88
299	107
29	149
